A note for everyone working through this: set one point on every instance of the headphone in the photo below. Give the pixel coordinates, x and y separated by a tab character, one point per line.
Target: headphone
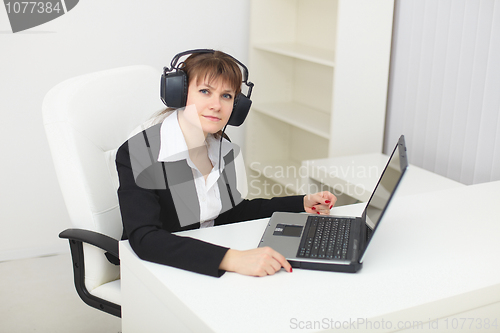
174	88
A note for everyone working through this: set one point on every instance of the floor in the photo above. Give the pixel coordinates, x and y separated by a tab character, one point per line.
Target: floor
38	295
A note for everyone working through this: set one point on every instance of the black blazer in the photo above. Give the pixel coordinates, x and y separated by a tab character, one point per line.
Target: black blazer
149	214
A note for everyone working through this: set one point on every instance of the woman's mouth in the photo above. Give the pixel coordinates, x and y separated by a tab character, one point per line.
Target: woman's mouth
211	118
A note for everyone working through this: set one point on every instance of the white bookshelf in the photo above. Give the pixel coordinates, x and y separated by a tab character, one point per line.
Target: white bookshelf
317	122
320	69
309	53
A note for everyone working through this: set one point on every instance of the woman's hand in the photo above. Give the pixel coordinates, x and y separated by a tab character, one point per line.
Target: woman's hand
261	261
319	203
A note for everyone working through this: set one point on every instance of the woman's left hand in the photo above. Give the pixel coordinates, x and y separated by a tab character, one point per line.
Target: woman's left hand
319	203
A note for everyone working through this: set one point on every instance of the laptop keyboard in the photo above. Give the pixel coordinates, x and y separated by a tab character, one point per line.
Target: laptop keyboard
325	238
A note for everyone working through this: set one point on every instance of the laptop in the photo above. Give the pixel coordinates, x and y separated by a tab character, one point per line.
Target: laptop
335	243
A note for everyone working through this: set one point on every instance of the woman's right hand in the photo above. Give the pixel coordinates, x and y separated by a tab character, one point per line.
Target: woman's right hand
261	261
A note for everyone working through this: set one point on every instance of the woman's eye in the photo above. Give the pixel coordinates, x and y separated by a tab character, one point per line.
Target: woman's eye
204	91
228	96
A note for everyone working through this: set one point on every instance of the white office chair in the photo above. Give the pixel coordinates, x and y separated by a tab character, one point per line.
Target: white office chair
86	119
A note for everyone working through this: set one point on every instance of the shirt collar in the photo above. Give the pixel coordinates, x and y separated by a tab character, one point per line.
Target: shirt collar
173	146
213	150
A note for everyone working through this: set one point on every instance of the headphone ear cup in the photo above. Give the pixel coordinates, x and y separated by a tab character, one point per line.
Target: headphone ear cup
173	89
241	107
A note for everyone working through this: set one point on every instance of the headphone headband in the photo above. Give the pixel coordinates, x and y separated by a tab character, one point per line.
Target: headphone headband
175	59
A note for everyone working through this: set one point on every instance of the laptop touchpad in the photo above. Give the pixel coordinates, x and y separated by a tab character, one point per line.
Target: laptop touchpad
288	230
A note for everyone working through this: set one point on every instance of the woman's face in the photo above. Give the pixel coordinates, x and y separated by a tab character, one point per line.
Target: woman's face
213	102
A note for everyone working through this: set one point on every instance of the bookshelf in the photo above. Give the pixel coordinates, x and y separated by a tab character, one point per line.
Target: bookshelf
321	70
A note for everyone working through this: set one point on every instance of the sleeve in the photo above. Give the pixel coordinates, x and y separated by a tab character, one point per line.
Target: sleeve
140	209
261	208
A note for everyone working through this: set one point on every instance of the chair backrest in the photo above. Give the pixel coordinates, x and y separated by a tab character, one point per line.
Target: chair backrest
86	119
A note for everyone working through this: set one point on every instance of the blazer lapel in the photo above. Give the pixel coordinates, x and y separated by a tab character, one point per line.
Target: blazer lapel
229	173
181	184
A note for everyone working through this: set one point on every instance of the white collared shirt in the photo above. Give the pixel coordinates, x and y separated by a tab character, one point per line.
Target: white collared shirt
173	147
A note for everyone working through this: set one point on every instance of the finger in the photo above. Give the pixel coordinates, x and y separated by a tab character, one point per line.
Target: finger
276	266
317	209
327	199
312	207
319	203
324	211
282	261
269	262
261	273
271	266
311	210
324	208
271	269
331	198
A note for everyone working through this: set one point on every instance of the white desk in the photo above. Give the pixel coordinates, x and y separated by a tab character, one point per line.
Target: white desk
357	176
434	256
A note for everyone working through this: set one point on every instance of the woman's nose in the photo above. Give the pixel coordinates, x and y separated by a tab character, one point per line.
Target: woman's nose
215	103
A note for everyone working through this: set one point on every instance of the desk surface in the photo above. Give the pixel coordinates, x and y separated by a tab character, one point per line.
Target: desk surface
434	255
357	176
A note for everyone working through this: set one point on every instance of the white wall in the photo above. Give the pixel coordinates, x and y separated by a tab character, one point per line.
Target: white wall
444	87
95	35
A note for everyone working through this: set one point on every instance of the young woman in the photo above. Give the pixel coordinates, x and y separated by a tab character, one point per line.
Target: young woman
183	186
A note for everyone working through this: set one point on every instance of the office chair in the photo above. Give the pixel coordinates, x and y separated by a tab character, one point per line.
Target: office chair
86	119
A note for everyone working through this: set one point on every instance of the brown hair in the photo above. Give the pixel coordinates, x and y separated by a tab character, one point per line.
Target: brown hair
213	66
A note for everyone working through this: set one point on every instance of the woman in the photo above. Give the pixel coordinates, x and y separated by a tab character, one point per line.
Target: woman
182	186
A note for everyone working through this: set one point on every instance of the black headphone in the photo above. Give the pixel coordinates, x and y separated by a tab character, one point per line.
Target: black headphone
174	88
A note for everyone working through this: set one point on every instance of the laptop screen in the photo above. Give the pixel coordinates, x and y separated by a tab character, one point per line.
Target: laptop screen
386	186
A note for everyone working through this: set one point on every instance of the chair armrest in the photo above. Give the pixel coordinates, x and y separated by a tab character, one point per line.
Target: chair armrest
103	242
76	239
